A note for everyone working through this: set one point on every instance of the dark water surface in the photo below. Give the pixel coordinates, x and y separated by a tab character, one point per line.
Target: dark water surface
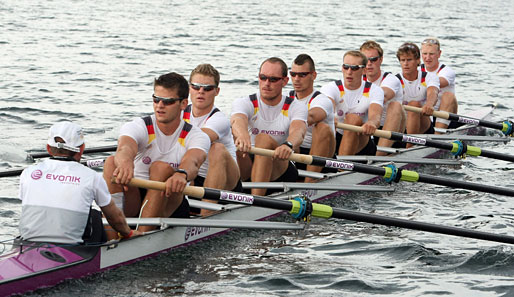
94	62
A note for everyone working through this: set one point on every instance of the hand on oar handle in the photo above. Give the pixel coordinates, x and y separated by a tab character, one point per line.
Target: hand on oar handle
192	191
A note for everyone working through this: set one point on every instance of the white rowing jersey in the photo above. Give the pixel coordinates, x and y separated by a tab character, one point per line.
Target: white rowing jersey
387	80
217	122
153	145
56	197
353	101
416	90
271	120
313	100
447	73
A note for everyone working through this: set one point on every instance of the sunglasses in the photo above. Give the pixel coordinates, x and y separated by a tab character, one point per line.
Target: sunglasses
206	88
300	74
373	59
165	101
271	79
353	67
430	41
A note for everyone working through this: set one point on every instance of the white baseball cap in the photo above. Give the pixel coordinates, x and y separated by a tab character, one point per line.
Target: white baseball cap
70	132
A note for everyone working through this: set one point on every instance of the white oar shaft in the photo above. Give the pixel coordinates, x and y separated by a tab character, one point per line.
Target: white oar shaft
378	133
192	191
437	114
300	158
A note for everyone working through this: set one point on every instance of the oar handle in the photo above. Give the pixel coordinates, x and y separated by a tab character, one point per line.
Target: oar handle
192	191
378	133
300	158
437	114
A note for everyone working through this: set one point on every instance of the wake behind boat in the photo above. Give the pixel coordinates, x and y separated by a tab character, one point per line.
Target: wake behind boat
30	266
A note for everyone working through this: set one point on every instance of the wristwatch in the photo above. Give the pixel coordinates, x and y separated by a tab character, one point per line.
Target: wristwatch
288	143
180	170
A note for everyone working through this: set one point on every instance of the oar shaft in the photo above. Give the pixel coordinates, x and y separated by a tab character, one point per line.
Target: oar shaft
386	172
459	118
452	147
88	163
325	211
92	150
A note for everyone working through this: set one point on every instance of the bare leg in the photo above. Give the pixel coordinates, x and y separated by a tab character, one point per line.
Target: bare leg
449	104
155	203
323	145
352	142
264	168
223	172
395	121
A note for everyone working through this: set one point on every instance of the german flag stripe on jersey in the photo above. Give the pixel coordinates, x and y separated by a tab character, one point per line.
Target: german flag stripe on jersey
440	68
255	103
339	84
183	134
149	128
423	77
186	116
367	86
286	105
312	98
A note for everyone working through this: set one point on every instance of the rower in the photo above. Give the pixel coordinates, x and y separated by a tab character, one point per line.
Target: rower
447	101
420	89
276	122
320	137
393	116
358	103
159	147
220	170
57	194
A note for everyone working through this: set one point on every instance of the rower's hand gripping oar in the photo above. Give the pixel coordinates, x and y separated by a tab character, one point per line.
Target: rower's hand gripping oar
295	207
457	148
507	127
390	172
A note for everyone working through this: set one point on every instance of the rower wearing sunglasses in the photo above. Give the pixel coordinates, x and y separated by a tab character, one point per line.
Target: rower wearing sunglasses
320	137
220	170
358	103
420	89
430	53
160	147
268	119
393	116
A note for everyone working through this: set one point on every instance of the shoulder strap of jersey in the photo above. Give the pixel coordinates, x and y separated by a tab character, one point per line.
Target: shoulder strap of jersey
367	87
364	78
312	98
186	116
385	75
183	134
149	128
422	67
401	80
339	84
215	110
255	103
440	68
423	78
287	104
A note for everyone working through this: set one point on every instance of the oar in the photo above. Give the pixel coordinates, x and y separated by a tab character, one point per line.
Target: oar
92	150
505	127
299	208
89	163
457	148
389	172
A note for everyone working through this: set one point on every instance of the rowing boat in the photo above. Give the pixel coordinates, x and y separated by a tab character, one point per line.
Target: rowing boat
30	266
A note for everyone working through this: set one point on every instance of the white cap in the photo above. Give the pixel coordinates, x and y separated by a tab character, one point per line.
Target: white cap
70	132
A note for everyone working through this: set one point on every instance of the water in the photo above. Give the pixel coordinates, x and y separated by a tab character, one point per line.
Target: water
94	62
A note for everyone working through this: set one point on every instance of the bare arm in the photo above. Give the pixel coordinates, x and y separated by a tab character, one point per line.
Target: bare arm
117	220
297	130
124	160
242	140
443	82
191	162
316	115
212	135
428	108
374	114
388	94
